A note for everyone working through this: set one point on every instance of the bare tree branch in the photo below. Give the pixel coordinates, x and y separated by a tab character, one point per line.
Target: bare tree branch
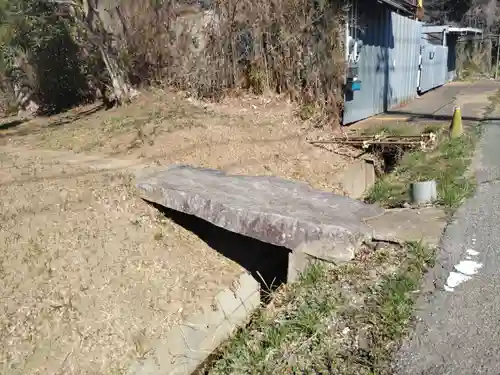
66	2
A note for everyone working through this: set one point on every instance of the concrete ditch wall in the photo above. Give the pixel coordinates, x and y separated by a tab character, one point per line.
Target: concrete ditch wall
187	345
358	178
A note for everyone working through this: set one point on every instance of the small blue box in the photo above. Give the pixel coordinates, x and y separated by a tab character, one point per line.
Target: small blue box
355	85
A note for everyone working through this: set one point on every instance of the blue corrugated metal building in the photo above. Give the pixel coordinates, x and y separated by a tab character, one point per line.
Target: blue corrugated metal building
439	54
392	57
383	57
433	67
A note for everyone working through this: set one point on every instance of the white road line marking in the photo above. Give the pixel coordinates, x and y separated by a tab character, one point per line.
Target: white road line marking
468	267
465	269
455	279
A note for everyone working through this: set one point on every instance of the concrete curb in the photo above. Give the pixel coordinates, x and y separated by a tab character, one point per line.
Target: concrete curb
187	345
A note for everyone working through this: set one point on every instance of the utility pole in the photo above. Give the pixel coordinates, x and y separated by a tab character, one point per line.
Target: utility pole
498	55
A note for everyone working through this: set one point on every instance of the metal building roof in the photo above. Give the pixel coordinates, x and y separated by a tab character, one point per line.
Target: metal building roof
429	29
407	6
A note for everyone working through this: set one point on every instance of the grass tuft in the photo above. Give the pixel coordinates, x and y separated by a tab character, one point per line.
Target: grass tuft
402	128
447	164
343	320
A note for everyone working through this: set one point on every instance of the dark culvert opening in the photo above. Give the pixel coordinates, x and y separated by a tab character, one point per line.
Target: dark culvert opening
391	158
267	263
388	158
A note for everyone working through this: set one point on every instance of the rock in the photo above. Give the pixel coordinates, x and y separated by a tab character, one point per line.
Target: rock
281	212
364	339
358	178
408	225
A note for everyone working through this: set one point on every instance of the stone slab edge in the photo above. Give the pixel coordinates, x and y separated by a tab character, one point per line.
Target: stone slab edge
346	240
188	344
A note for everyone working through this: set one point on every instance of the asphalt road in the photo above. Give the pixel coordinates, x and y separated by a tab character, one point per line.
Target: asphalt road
459	330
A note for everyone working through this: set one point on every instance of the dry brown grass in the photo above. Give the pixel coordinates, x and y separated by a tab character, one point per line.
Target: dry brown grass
209	48
256	135
292	47
91	276
474	59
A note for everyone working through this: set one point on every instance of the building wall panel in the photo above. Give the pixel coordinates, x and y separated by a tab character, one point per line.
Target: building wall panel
387	66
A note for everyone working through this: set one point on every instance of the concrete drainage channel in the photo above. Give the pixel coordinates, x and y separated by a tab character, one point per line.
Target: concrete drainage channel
189	344
274	228
358	178
202	201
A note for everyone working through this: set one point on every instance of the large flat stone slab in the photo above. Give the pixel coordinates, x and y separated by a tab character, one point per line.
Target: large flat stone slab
281	212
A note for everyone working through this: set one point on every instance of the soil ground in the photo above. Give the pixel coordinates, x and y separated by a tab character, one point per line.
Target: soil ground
91	275
249	135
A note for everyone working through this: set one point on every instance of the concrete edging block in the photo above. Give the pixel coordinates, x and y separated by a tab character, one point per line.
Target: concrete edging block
190	343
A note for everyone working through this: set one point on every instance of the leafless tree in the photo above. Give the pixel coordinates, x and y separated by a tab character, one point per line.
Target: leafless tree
482	14
103	27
